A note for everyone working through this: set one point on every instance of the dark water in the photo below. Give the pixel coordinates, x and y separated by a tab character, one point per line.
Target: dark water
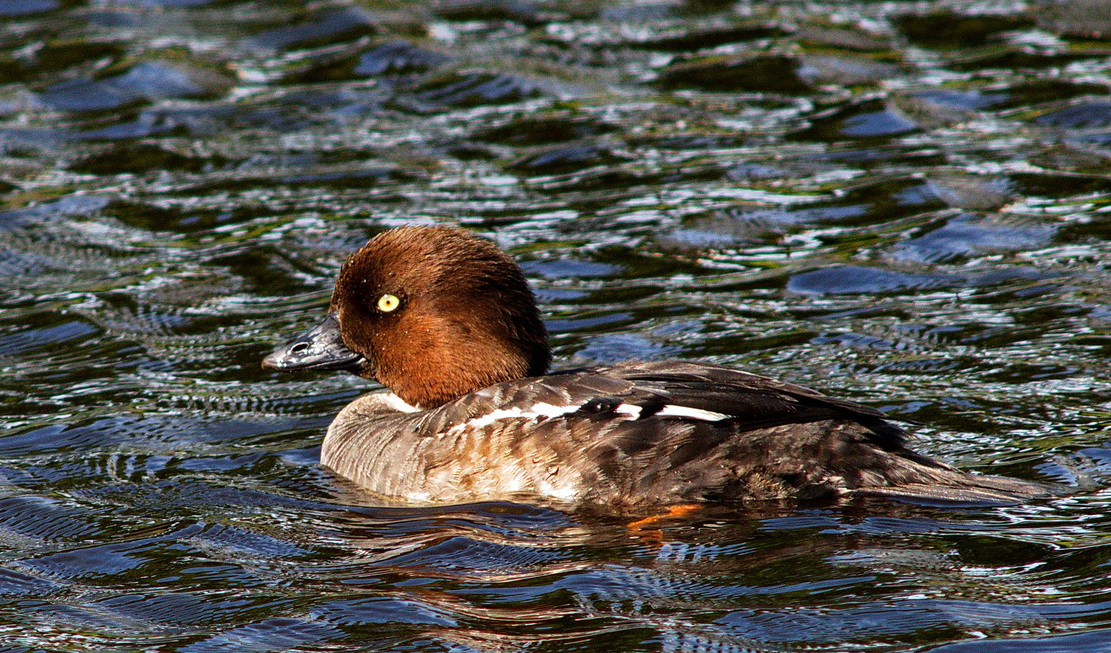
902	203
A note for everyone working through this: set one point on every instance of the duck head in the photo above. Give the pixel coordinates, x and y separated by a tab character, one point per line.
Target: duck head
432	313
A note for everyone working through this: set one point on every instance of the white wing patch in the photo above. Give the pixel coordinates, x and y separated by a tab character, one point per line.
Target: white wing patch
548	411
631	410
671	410
693	413
535	411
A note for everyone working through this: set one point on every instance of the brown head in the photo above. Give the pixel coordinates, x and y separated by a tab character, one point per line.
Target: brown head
432	313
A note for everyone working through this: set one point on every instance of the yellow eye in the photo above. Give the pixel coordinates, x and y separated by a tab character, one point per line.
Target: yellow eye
388	302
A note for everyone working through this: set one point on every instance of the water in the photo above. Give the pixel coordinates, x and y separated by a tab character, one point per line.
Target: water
901	203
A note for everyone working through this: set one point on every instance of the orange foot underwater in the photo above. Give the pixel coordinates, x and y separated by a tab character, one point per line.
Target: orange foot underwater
673	512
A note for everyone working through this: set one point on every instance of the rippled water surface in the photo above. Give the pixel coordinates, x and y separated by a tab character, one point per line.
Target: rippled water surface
903	203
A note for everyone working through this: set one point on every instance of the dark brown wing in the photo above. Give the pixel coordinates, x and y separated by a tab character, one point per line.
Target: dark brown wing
752	401
736	436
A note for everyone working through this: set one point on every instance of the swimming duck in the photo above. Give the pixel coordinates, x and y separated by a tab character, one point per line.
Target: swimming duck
447	322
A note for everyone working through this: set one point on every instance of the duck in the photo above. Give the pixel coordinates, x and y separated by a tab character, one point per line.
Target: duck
470	411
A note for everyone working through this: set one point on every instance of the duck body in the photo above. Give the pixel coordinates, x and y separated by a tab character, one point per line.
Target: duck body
448	324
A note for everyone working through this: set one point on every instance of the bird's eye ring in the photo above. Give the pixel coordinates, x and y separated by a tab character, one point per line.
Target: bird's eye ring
388	303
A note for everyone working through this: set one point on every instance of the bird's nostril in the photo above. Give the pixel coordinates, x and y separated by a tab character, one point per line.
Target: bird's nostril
298	348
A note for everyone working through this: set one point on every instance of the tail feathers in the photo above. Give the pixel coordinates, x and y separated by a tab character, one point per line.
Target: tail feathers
950	487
